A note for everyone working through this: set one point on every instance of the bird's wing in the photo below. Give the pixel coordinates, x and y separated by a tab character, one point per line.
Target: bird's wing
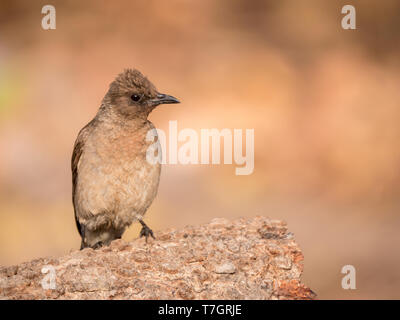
76	155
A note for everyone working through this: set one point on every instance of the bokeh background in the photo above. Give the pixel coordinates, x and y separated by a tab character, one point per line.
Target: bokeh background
324	103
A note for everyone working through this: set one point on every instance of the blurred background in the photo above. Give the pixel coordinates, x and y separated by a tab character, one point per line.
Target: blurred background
324	103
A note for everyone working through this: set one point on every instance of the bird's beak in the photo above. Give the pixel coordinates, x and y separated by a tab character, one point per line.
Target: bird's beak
164	99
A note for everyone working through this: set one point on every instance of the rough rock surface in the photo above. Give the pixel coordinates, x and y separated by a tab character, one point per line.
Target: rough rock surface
242	259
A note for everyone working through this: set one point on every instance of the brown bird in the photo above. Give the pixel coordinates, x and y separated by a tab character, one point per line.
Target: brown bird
113	184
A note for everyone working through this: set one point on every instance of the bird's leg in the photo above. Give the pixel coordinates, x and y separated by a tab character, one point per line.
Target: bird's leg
82	229
84	244
146	231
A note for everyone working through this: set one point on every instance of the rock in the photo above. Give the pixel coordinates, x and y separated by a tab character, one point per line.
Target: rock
227	268
253	258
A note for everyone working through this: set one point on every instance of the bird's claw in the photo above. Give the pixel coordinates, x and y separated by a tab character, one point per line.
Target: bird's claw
97	245
146	232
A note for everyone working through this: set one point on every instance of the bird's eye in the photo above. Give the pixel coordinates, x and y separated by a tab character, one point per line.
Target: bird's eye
135	97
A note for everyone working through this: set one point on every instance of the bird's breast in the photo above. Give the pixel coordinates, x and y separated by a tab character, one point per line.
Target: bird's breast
114	174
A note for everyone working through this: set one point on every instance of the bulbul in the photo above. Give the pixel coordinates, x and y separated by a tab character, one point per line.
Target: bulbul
113	183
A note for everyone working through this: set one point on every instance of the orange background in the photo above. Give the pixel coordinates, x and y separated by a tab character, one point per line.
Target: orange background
324	103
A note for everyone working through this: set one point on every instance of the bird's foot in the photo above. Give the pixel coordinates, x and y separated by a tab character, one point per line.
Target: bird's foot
146	231
97	245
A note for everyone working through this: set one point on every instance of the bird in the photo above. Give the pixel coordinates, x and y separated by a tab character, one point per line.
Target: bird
113	184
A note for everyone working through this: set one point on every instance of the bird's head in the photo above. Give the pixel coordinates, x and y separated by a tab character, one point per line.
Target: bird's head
133	95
